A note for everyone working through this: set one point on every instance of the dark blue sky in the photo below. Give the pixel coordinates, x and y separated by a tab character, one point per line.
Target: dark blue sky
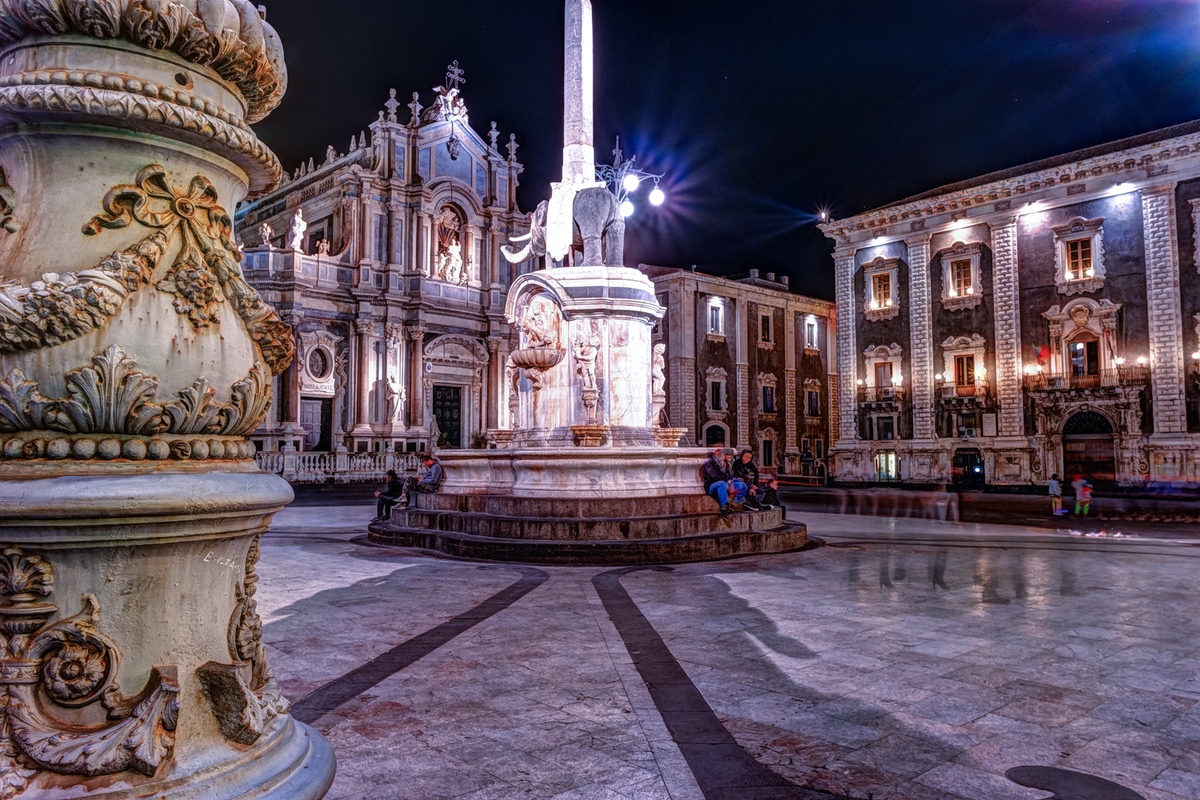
758	112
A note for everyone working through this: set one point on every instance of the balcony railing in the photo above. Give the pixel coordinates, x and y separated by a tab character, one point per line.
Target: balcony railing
1104	379
316	467
977	389
880	394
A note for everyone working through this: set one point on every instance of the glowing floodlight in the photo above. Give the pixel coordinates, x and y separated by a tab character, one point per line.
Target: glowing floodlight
626	209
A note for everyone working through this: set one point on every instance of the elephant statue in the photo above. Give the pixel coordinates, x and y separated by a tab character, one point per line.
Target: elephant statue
601	227
599	230
536	238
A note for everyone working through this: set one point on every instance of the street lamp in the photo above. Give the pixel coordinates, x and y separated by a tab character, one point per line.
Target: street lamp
624	178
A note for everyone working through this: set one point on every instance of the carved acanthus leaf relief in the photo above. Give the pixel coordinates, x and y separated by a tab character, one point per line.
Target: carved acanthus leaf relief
69	665
112	397
244	695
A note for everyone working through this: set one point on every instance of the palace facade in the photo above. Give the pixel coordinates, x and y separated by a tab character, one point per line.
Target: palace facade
386	260
1041	319
749	364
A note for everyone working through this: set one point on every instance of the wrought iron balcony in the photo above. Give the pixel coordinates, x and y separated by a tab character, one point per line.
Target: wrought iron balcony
1104	379
880	394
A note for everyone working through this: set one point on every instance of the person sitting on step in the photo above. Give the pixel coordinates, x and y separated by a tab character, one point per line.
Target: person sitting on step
429	482
390	496
720	483
745	468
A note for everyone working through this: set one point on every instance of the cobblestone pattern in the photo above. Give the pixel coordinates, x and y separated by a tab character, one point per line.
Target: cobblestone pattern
1166	318
921	336
846	346
1008	327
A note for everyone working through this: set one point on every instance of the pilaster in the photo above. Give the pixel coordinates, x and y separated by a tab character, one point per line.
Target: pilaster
743	331
416	392
792	403
921	336
363	332
843	260
1007	306
1167	364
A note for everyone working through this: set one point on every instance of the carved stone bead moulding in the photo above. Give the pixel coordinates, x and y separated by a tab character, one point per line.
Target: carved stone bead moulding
50	672
110	411
229	37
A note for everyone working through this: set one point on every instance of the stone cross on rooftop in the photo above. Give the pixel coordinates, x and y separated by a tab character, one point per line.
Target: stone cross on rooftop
454	75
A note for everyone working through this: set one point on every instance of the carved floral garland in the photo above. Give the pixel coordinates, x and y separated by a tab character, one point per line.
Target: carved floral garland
205	273
69	664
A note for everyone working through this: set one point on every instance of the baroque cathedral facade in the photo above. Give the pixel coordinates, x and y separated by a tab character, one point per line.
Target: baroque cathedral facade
386	261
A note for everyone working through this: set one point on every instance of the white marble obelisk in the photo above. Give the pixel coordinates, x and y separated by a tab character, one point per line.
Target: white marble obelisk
579	152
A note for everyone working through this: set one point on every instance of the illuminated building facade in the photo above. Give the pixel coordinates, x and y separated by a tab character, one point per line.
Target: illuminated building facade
1043	319
749	364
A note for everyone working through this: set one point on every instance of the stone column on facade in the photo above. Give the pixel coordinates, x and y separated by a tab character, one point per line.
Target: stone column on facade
350	226
681	383
416	393
791	405
496	387
921	339
743	329
1007	307
363	330
395	245
847	317
290	386
1167	356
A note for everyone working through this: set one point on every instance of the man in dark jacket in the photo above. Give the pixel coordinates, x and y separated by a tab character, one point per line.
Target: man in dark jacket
747	470
719	480
429	482
388	497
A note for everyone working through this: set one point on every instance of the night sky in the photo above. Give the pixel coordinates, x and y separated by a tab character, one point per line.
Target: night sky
759	113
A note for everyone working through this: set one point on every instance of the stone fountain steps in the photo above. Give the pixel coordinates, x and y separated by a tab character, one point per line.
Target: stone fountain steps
704	547
585	531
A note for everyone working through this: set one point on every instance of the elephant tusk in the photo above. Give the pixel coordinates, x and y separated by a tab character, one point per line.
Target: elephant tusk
523	238
518	256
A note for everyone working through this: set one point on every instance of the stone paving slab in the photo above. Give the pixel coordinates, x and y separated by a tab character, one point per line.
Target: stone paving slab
872	668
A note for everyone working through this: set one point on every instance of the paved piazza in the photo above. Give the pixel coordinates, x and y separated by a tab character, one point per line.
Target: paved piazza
906	659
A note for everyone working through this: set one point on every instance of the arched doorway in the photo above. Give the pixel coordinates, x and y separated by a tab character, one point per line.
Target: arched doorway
1088	448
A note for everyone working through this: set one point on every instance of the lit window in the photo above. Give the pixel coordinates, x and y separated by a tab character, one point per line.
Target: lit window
716	396
960	276
964	370
881	278
1079	256
768	399
881	291
716	317
1079	259
765	328
962	283
887	466
810	334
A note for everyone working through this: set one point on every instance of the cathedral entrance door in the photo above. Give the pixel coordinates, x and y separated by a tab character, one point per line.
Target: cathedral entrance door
1088	448
316	417
447	410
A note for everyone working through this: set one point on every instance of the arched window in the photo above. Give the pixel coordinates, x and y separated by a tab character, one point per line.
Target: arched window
715	435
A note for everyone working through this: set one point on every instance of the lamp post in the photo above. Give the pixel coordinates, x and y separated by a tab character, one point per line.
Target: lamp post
624	178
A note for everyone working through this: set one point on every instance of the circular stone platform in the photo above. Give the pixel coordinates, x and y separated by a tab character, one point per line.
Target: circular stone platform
586	531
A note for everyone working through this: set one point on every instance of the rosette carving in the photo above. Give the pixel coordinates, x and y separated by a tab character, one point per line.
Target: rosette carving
113	397
228	36
244	695
69	664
